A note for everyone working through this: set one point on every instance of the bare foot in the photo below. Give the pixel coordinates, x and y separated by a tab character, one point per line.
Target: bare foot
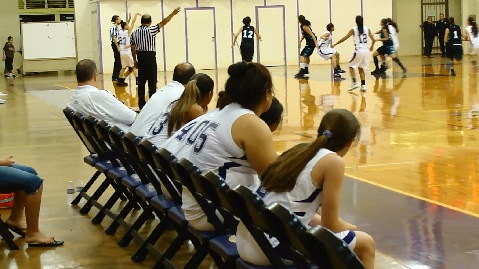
16	224
38	237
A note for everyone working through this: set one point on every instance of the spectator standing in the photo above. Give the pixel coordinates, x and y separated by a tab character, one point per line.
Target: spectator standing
430	33
441	26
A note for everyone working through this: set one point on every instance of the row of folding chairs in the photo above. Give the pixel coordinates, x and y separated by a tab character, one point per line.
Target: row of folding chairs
152	180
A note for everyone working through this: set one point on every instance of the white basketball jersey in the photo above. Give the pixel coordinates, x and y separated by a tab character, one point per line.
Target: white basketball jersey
158	133
361	40
393	34
326	43
179	144
123	41
215	150
155	107
474	39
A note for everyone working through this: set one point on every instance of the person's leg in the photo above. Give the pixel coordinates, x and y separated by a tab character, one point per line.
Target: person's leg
365	249
376	62
443	48
153	77
114	75
396	60
142	70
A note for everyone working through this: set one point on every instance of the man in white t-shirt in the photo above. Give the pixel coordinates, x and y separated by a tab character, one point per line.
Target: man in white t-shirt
162	98
125	51
101	104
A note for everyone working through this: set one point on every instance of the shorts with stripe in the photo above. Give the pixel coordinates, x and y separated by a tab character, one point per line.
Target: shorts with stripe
386	50
360	59
308	50
454	51
349	237
326	52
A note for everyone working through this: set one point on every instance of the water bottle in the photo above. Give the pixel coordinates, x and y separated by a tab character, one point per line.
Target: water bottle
79	186
70	188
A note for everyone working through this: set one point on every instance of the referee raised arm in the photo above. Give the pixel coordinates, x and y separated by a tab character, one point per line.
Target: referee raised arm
143	49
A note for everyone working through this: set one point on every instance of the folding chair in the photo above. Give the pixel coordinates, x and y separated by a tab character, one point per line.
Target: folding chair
337	253
187	173
75	120
7	236
251	210
147	152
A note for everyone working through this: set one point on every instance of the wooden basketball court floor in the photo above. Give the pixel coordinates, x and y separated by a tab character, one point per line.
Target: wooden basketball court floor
410	182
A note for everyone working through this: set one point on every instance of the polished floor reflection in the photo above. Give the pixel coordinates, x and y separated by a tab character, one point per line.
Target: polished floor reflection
412	176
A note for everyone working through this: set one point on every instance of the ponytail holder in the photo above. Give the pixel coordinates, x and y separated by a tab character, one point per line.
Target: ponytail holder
328	134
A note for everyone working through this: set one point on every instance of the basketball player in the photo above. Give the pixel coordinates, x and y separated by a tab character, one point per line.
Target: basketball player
472	35
387	49
221	144
311	43
192	104
326	52
393	33
125	51
360	59
308	177
247	40
453	38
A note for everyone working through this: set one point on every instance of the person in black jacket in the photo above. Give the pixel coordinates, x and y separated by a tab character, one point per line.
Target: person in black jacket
430	33
441	26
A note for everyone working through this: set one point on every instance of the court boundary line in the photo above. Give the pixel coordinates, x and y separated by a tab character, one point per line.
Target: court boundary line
464	211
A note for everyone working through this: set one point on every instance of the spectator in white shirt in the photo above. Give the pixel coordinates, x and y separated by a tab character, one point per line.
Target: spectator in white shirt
100	104
162	98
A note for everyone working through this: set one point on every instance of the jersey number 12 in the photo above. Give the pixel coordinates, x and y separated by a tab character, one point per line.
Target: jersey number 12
247	34
363	39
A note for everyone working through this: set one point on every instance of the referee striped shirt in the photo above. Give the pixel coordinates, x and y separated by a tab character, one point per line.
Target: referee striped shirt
114	31
144	38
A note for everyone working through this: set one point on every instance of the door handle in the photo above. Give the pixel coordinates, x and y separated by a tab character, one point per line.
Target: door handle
213	39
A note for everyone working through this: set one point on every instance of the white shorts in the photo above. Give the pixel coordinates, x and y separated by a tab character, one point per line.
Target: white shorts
126	60
349	237
474	51
326	53
360	59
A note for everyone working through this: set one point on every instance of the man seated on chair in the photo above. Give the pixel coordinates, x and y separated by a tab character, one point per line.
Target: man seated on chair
28	187
162	98
101	104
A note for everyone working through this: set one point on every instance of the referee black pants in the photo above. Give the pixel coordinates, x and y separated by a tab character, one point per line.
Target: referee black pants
147	71
117	64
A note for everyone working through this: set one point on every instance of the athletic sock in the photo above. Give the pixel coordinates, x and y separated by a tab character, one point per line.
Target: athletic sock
303	65
398	62
376	62
354	80
363	82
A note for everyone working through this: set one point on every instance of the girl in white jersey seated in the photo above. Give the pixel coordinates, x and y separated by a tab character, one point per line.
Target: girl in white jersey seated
309	177
360	59
234	142
192	104
472	35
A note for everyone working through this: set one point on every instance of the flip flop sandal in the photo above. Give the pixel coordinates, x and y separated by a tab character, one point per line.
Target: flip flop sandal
52	244
20	231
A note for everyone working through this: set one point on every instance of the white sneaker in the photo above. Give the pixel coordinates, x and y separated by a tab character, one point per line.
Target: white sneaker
363	88
353	86
2	101
2	94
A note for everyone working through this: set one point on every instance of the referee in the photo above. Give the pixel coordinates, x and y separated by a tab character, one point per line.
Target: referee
114	31
143	49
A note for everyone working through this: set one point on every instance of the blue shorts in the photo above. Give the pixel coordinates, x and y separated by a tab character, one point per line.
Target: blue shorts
19	177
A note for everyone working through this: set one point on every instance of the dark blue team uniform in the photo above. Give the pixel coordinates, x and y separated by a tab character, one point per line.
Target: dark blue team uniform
247	43
309	48
454	43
